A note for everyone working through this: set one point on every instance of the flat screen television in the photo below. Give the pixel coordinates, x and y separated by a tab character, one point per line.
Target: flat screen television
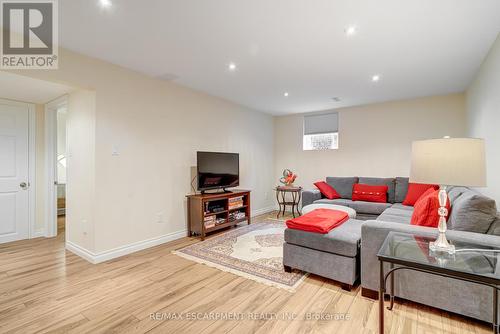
218	170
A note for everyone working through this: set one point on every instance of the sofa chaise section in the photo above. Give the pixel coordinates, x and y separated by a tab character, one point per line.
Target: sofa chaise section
473	218
452	295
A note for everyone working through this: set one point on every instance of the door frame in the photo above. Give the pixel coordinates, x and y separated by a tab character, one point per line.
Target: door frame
51	164
33	233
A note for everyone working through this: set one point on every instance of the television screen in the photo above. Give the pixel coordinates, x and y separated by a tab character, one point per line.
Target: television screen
218	170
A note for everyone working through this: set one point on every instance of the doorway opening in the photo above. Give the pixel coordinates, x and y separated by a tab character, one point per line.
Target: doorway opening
26	175
56	113
61	168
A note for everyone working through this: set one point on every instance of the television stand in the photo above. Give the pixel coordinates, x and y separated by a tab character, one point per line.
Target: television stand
210	212
224	190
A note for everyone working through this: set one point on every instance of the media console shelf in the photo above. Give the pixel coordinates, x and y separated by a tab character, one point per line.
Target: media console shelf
215	211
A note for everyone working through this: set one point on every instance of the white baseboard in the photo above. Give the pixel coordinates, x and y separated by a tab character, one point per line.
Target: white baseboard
123	250
81	252
37	234
262	211
138	246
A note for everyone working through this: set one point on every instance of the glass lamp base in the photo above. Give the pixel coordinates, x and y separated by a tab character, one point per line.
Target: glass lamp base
440	246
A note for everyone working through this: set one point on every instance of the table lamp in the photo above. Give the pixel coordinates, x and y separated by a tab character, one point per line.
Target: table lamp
448	162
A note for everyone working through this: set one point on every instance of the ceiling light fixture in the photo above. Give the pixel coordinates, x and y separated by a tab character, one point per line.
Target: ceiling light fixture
232	67
285	94
376	78
350	30
105	3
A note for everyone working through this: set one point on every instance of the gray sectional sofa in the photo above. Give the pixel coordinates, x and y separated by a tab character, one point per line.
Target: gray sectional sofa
349	253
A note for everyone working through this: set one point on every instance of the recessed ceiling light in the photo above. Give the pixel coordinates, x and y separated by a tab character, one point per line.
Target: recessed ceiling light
231	66
350	30
376	78
285	94
105	3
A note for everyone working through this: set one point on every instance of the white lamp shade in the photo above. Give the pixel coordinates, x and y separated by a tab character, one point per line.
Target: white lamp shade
449	161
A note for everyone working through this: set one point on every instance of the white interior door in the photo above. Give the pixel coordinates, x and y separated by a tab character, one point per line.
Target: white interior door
14	154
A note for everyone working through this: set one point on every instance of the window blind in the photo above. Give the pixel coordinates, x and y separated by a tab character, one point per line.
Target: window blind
323	123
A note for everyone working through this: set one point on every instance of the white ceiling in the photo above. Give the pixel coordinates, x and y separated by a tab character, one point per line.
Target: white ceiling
26	89
419	47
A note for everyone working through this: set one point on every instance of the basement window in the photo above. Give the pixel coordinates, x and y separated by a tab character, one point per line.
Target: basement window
321	132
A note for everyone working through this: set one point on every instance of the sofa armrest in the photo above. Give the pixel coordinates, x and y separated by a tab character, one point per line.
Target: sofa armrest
373	234
309	196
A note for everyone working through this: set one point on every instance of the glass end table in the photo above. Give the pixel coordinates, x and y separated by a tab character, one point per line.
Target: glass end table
472	262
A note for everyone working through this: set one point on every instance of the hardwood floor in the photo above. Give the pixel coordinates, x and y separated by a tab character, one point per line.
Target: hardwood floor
61	224
45	289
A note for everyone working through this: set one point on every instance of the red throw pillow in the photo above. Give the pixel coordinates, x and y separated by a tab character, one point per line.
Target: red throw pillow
415	190
369	193
327	190
425	195
425	212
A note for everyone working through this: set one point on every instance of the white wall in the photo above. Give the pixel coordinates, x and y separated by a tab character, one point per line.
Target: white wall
81	185
483	114
157	139
156	127
374	140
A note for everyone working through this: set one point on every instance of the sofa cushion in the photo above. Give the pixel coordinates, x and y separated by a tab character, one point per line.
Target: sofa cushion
360	207
401	206
400	211
397	213
389	182
401	189
309	196
343	240
339	201
495	227
369	207
391	218
472	212
343	185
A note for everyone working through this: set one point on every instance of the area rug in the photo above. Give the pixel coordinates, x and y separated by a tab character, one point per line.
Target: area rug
252	251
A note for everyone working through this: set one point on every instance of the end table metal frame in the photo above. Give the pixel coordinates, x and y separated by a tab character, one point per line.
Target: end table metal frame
296	196
407	265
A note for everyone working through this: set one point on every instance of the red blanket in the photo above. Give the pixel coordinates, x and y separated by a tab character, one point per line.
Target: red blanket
318	221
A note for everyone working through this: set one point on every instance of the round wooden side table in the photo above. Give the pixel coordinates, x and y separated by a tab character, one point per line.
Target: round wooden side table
296	193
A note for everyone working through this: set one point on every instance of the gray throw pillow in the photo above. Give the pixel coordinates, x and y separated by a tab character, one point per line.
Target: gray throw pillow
401	189
455	192
343	185
495	227
472	212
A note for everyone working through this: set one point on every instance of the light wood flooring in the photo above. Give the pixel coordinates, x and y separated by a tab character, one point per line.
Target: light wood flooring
44	288
61	224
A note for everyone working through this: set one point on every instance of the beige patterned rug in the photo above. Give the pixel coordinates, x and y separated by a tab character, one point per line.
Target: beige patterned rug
252	251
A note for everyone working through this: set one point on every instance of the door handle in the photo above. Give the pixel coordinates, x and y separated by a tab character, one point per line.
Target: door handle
23	185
